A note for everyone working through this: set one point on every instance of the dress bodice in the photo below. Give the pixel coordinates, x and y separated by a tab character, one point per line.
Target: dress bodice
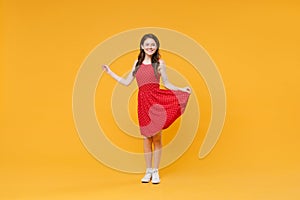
145	75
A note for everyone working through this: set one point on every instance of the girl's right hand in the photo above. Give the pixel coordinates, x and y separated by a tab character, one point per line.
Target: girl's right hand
106	68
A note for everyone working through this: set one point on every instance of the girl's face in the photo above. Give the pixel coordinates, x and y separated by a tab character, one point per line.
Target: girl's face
149	46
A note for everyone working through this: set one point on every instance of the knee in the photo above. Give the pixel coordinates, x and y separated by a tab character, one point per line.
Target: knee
157	140
148	141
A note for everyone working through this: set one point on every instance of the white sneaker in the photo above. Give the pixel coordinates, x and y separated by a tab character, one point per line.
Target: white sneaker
155	176
148	175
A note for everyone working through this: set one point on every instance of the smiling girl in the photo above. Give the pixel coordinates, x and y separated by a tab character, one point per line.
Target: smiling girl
157	108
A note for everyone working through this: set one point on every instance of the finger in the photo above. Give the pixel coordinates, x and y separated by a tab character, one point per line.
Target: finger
105	67
189	90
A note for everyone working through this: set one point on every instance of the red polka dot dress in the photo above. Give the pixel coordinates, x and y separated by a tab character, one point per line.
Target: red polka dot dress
157	108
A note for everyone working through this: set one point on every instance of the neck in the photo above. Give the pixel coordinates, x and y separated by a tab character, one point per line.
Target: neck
147	59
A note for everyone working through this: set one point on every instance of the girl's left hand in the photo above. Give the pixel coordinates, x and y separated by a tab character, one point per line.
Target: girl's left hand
186	89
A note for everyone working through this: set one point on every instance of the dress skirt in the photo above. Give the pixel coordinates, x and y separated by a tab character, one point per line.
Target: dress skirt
157	108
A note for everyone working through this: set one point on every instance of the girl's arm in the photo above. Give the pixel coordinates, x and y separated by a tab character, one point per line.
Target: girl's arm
125	81
167	84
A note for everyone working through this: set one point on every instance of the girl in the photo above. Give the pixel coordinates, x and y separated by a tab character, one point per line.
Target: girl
157	108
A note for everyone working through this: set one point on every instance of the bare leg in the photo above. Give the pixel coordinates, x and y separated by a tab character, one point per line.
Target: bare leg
148	151
157	149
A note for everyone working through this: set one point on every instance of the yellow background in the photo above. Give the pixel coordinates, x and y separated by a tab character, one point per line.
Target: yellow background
255	45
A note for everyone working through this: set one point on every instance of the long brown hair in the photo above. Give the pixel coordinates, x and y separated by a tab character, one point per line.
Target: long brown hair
155	57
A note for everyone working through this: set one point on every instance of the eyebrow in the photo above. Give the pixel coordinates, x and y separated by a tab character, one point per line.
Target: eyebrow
150	43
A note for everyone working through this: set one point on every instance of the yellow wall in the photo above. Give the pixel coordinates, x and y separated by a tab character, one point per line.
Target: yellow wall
255	45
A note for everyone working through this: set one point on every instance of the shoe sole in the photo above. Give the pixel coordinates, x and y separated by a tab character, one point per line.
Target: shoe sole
145	181
155	183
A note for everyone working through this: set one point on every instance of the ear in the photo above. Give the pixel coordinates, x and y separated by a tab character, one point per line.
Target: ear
142	47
